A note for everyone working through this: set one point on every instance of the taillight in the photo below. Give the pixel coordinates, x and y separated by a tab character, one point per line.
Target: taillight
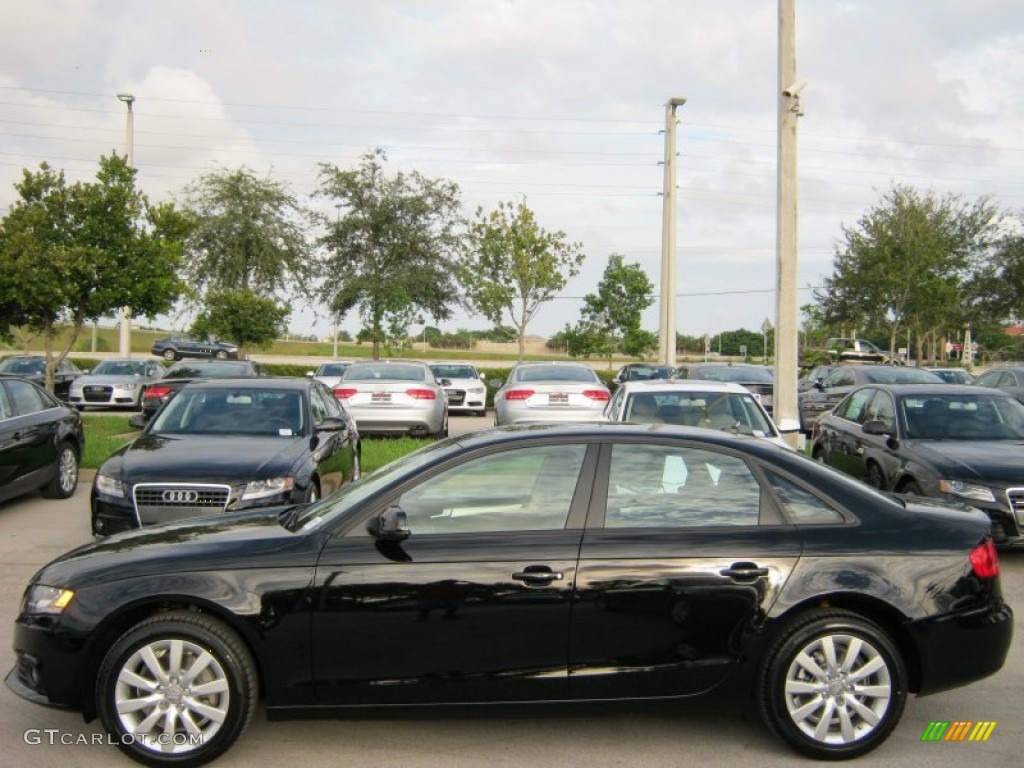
421	394
596	394
343	394
156	392
985	560
519	394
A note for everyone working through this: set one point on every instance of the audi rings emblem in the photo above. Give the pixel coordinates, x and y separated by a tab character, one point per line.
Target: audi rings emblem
180	497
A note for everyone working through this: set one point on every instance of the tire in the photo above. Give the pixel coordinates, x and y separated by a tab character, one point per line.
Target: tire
357	464
152	667
65	477
834	709
443	431
875	478
818	454
220	354
170	355
481	414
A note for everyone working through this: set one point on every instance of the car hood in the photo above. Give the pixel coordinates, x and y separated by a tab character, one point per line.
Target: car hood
992	461
204	458
196	544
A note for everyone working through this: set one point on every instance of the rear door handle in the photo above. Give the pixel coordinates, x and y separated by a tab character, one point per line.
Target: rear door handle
744	571
538	574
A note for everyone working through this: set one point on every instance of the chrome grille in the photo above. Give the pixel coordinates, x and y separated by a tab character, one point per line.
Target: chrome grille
456	396
96	393
165	502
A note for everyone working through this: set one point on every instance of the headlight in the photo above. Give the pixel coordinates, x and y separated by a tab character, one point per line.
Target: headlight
128	385
261	489
966	490
43	599
109	486
477	390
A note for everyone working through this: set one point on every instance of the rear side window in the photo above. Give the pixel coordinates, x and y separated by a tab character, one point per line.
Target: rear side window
655	486
800	505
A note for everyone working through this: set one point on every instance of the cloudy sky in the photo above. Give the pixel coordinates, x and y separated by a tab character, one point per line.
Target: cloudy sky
560	102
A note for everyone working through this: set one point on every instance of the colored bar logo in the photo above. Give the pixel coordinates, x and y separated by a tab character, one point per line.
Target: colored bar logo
958	730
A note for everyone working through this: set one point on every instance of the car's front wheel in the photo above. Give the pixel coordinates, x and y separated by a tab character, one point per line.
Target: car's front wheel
220	354
170	355
176	689
832	685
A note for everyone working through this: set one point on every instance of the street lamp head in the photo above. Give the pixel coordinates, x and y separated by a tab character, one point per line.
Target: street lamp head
127	98
675	101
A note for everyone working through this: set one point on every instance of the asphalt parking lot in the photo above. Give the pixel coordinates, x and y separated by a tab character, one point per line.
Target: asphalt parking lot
34	530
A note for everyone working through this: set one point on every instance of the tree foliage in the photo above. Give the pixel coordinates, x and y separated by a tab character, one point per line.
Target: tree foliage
392	246
905	264
611	318
514	266
241	317
72	253
249	234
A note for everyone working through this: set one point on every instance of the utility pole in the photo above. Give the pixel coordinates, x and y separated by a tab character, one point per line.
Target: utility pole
667	320
124	346
787	360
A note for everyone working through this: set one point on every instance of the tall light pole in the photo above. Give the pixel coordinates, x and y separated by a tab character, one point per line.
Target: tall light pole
786	302
667	321
125	336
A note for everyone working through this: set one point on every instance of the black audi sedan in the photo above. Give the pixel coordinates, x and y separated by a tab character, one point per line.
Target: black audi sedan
223	445
41	441
537	563
957	442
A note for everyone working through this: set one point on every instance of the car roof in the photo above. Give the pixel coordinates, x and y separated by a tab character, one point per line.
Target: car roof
938	389
683	385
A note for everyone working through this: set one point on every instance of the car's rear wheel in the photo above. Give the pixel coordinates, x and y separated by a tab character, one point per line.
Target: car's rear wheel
176	689
65	477
170	355
832	685
911	488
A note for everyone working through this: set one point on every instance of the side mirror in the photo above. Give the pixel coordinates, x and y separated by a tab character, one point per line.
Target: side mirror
138	421
495	383
877	427
331	424
445	382
390	525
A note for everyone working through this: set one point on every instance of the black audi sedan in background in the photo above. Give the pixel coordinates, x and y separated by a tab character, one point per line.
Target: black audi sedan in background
41	441
223	445
180	374
957	442
33	368
538	563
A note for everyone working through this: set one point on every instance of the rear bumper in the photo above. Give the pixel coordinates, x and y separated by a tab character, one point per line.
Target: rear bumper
941	641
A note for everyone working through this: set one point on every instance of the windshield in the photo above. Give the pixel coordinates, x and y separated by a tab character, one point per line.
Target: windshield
120	368
225	370
21	365
714	410
454	372
332	369
892	374
241	411
738	374
387	372
962	417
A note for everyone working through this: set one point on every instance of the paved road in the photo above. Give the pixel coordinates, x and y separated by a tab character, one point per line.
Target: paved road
34	530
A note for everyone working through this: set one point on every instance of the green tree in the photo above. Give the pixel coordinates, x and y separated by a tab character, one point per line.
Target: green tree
248	235
391	247
514	266
71	254
905	263
241	317
611	317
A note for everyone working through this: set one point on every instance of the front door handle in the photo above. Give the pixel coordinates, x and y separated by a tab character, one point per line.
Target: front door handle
538	575
744	571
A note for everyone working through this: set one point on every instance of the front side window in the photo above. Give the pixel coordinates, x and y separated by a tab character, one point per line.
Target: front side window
662	486
523	489
854	408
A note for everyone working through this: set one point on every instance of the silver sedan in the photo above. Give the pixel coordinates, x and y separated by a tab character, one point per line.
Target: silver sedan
394	397
555	391
118	382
